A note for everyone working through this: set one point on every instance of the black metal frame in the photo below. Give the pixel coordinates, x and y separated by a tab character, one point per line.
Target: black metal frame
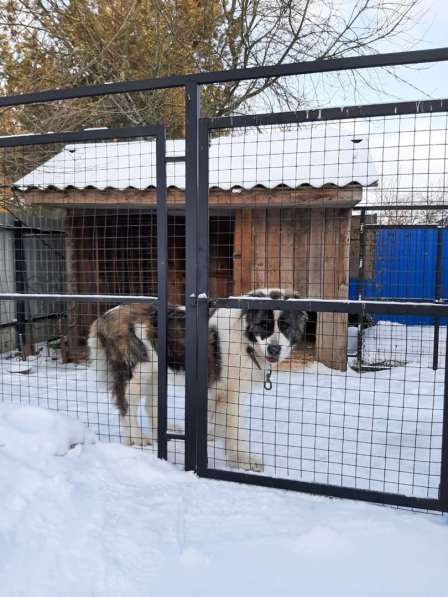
435	309
197	303
207	78
161	301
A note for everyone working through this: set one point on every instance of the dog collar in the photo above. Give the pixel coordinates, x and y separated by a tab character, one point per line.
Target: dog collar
267	372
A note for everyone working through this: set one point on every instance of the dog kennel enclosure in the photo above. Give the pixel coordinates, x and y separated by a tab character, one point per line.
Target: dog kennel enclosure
375	430
263	227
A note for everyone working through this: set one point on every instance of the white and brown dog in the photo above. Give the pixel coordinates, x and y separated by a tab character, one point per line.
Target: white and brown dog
245	345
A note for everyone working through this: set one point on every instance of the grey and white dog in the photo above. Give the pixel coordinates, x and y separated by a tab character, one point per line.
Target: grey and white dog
244	347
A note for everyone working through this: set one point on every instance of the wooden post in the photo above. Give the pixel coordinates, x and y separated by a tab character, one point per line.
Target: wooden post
261	247
287	240
302	224
274	262
316	243
331	333
242	255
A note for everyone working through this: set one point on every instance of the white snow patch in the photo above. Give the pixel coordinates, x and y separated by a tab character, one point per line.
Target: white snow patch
314	154
40	432
107	520
378	430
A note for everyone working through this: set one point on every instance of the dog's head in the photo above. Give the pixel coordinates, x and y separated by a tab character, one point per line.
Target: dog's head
271	333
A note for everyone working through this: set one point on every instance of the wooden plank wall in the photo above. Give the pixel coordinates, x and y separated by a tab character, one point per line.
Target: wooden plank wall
107	252
301	250
331	333
114	252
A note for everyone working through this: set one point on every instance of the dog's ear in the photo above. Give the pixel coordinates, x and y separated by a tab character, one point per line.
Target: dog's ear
301	323
304	314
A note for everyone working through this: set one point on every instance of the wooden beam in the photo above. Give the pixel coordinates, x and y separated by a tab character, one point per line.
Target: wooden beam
259	217
259	197
273	249
238	228
287	240
316	243
331	333
302	251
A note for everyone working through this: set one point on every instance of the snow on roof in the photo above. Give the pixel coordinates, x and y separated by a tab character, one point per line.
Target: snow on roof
314	155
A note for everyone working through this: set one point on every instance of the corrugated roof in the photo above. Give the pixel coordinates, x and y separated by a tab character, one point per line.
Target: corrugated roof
308	155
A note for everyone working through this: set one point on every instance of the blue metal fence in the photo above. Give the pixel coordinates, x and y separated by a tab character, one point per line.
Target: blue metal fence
405	266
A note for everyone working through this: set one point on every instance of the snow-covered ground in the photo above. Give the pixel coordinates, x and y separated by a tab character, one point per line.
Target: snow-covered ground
377	429
83	519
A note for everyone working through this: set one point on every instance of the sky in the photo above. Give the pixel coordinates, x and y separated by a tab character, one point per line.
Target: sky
432	33
416	82
431	80
434	25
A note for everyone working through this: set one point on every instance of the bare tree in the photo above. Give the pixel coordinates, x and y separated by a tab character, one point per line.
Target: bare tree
278	31
55	43
422	204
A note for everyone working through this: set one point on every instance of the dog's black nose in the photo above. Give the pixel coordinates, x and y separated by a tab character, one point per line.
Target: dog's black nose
273	350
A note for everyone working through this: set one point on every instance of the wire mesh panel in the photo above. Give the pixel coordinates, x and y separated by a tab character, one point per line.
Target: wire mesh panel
87	218
340	397
294	271
377	426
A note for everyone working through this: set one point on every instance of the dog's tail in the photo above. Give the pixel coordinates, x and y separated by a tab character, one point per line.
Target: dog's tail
115	350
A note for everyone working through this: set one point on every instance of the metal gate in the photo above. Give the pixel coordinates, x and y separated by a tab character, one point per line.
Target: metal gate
331	312
335	433
25	300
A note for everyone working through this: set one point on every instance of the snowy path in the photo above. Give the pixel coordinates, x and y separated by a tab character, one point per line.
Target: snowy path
103	520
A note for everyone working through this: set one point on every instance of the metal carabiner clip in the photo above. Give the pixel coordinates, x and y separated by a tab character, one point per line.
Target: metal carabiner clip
267	380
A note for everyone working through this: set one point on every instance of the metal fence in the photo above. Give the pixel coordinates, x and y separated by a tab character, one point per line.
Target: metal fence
32	261
300	388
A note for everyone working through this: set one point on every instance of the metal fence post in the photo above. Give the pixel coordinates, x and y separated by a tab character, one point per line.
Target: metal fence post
162	294
192	105
361	281
443	491
203	303
437	296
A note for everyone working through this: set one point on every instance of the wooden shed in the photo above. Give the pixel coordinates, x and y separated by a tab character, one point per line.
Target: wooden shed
280	212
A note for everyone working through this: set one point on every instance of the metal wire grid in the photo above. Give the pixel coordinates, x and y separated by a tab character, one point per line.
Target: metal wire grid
56	242
317	423
360	403
378	428
106	250
192	86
